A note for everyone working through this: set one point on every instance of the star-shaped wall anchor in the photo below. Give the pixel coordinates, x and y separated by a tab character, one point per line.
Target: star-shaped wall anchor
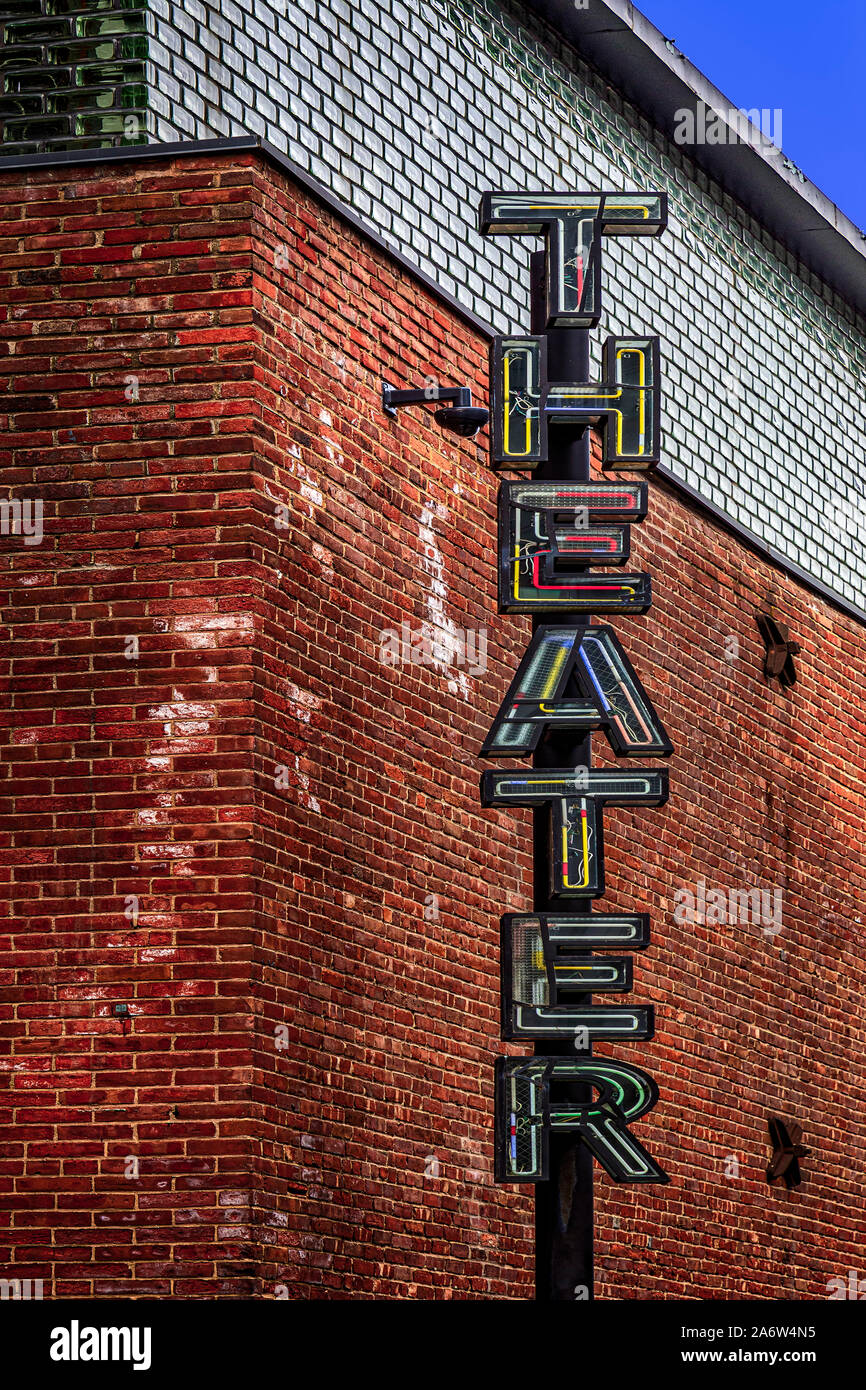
785	1136
781	650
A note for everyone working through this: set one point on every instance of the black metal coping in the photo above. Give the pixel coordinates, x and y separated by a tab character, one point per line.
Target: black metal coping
249	144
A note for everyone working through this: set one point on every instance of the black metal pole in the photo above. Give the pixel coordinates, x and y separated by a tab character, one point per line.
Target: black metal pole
563	1204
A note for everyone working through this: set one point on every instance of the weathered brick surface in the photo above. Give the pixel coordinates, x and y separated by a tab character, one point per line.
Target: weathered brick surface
305	1077
128	776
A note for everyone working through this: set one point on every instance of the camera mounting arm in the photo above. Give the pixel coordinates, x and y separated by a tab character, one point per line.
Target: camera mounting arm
392	399
462	417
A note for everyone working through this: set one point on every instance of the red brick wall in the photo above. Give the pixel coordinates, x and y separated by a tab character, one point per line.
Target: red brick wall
128	776
306	1074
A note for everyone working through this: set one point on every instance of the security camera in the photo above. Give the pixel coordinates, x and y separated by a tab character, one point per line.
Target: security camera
464	420
460	415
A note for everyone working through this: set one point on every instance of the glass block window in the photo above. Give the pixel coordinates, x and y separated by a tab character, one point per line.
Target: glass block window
73	74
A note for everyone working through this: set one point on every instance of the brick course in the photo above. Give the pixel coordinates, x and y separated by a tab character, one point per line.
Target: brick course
305	1077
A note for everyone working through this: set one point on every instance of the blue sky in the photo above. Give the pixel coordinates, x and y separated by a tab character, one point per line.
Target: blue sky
806	57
